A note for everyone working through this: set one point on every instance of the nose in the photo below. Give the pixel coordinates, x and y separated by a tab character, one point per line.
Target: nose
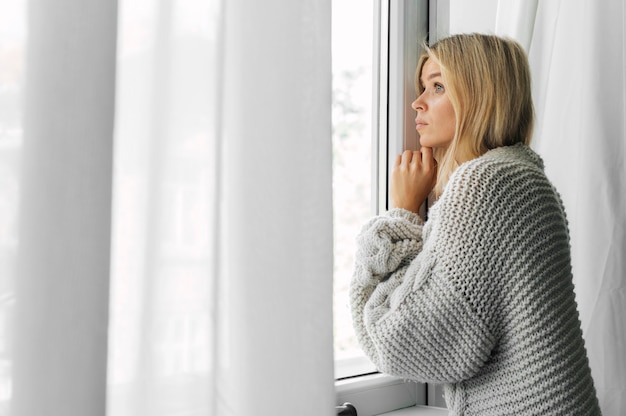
418	104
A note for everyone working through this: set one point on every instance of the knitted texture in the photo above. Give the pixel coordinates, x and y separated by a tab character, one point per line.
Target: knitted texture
480	297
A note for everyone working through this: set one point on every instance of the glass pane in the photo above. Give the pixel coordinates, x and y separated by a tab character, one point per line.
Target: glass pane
352	48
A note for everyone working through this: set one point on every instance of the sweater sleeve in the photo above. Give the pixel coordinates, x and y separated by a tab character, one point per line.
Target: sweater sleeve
411	290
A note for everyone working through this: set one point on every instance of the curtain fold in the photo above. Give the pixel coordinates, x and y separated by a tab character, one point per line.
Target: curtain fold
578	55
61	286
276	210
516	19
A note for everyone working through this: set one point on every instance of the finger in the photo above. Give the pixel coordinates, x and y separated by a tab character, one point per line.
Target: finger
428	159
406	157
417	157
398	160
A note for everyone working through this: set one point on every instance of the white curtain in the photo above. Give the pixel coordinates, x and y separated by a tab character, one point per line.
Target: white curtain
58	360
577	53
174	248
578	59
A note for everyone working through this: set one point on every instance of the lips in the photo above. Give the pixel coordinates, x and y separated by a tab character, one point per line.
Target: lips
419	124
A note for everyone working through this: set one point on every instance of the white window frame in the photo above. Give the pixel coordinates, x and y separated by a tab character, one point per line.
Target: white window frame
401	27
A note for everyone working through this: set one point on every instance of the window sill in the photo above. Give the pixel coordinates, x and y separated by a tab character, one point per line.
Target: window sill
418	411
378	394
346	366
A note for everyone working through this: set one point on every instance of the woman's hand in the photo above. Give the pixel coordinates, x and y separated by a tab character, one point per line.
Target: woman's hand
413	177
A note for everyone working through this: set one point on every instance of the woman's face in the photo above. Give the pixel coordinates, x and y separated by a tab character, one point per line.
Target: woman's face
435	119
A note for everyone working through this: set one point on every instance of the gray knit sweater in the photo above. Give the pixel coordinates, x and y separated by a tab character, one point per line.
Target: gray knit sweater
480	297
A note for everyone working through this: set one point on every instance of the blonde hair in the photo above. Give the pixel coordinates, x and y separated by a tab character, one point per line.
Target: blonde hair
487	80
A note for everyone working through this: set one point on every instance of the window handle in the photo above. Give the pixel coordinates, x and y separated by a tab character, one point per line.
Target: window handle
346	409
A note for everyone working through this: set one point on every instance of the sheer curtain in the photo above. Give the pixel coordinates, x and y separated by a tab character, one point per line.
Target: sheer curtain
578	56
577	53
167	204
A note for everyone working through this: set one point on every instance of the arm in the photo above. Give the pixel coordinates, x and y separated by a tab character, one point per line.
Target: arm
410	313
386	245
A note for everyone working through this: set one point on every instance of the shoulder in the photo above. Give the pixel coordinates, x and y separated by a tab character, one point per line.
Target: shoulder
499	167
499	172
504	182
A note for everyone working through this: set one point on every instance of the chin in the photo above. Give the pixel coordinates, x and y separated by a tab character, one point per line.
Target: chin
435	144
428	143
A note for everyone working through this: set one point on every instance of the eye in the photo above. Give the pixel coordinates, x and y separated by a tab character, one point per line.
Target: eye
438	88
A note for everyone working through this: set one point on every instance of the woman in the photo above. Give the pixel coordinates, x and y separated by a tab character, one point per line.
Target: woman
480	295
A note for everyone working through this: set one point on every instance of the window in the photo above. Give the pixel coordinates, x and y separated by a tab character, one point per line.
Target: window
375	49
352	161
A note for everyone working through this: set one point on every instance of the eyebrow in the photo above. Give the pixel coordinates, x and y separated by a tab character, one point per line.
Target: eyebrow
430	76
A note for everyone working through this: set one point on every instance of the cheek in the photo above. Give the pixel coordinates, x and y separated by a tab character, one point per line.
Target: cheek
450	112
448	119
452	123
